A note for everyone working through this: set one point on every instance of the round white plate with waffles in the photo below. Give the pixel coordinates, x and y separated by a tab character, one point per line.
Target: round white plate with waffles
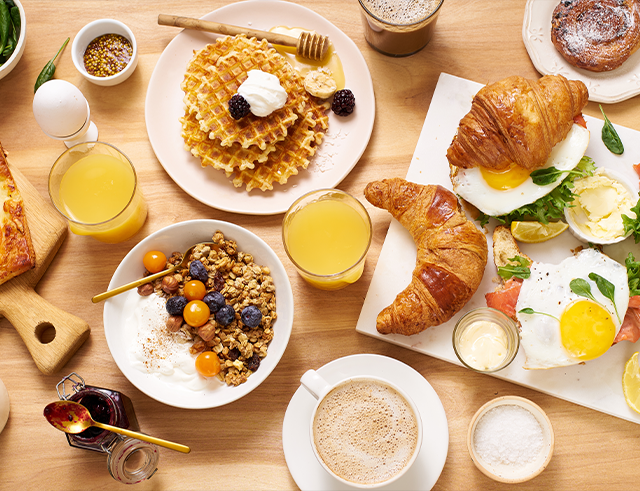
343	144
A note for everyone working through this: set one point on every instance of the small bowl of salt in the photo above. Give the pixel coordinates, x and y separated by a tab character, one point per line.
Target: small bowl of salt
510	439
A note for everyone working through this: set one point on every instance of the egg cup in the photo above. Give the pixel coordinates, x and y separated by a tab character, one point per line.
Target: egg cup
513	474
96	29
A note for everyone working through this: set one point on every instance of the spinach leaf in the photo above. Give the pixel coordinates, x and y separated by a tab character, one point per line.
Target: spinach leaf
582	287
607	289
5	25
610	136
519	270
49	69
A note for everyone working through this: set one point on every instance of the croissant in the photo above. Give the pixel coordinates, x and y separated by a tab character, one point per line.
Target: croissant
517	121
452	254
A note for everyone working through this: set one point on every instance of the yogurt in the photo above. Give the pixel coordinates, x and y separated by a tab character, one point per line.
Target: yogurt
263	92
155	350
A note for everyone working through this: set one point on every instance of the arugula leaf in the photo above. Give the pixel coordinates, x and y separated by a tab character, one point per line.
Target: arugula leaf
632	224
549	207
582	287
521	270
528	310
610	136
633	274
607	289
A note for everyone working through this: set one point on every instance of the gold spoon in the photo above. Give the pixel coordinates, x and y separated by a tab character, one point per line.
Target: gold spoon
72	417
309	45
147	279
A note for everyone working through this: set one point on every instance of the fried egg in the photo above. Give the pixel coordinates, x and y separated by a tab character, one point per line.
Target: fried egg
499	193
566	328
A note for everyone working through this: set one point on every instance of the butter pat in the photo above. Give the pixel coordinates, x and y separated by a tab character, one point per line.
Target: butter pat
263	92
598	209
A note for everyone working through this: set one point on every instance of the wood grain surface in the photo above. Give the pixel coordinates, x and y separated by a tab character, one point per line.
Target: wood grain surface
239	446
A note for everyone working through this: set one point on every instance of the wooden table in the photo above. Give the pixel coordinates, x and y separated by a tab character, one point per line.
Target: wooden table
238	446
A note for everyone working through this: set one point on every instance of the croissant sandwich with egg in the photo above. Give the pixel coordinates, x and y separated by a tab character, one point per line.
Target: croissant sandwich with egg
516	126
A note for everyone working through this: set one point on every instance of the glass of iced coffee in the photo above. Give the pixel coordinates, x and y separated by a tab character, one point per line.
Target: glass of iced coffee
399	27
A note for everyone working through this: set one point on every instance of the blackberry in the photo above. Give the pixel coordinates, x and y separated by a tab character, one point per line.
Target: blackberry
214	300
238	107
175	305
225	315
251	316
198	271
343	102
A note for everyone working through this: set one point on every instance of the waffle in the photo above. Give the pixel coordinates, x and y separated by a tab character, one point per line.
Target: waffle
290	154
222	82
211	153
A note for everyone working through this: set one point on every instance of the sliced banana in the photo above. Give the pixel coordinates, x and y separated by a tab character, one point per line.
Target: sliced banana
320	84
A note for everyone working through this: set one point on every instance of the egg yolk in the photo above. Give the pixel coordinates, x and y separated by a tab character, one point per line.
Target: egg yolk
587	330
506	179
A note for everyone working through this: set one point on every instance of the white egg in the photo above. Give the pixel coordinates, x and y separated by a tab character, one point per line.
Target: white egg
471	185
554	336
60	108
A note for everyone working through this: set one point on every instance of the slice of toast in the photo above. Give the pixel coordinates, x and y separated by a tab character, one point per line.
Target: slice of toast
505	247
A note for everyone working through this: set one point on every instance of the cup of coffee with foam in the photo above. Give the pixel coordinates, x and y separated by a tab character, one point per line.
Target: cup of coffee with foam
399	27
365	431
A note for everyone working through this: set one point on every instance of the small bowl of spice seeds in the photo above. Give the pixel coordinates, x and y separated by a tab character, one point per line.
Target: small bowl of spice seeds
105	52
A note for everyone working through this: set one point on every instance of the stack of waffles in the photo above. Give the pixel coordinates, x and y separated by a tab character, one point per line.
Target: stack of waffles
254	151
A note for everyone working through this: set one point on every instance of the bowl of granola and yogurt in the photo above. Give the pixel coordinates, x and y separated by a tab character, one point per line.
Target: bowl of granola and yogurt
157	350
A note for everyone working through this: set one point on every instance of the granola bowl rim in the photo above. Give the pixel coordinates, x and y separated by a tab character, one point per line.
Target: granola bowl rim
179	237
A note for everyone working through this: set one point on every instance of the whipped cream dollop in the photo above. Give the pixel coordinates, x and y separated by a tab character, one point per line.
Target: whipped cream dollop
263	92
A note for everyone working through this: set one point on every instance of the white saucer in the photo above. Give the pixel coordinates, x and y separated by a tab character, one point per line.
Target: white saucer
303	465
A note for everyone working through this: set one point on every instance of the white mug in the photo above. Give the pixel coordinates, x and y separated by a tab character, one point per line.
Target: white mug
352	431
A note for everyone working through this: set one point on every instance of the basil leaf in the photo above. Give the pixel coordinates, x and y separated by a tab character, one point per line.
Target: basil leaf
607	289
581	287
527	310
49	69
633	274
519	270
610	136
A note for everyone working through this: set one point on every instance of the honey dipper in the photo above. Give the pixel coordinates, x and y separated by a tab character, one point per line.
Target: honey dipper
309	45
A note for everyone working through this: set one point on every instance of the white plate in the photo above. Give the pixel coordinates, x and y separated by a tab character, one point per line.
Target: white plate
305	468
179	237
344	143
596	384
608	87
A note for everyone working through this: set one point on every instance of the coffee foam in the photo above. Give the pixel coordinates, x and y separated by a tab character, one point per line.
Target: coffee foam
401	11
365	431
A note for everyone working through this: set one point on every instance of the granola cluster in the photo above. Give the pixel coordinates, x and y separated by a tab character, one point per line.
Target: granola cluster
242	282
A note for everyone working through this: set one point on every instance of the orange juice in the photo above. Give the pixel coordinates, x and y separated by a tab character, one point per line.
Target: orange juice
98	194
327	239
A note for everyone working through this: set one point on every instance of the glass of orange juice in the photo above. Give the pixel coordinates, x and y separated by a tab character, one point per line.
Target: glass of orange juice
326	234
95	187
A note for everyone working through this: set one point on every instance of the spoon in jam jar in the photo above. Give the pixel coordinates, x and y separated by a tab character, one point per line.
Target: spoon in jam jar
147	279
72	417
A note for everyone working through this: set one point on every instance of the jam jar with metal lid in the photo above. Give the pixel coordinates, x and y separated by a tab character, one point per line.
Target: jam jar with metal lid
129	460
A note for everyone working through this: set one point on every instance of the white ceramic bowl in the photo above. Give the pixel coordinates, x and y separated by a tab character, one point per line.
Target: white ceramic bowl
93	30
179	237
584	236
513	473
22	41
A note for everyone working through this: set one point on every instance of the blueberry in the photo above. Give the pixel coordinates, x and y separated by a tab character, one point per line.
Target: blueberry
251	316
225	315
214	300
175	305
198	271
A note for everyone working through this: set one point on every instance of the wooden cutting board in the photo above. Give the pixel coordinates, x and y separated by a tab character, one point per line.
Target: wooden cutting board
28	312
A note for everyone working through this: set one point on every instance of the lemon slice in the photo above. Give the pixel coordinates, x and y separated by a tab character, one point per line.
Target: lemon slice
533	232
631	383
